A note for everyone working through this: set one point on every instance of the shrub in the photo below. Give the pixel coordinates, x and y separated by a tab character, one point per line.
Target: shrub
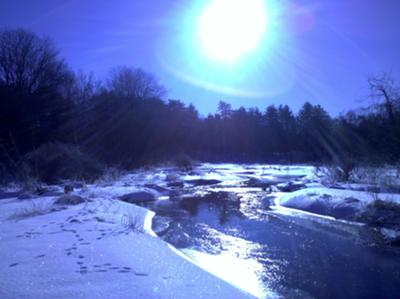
183	162
382	213
110	175
52	162
338	171
132	222
15	168
69	199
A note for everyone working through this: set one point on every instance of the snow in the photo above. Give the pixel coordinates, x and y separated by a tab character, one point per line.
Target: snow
332	198
105	248
101	249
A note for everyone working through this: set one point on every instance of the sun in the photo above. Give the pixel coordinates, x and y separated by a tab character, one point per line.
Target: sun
228	30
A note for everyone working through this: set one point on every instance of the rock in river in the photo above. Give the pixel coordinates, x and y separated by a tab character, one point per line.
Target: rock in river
138	197
203	182
290	187
161	225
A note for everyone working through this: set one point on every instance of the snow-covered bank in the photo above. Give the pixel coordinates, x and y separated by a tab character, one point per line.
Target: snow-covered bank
220	215
333	202
99	249
379	210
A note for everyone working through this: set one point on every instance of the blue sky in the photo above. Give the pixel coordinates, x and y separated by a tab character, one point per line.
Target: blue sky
322	51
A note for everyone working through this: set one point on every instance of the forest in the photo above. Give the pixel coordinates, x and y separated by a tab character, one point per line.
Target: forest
50	112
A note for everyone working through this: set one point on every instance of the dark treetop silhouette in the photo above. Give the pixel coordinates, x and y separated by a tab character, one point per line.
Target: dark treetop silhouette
125	122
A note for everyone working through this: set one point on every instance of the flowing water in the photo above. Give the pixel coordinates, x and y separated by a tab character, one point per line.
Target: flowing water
229	229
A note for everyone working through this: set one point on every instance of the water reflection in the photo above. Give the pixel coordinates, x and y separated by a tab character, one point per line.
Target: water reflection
243	273
224	205
232	257
229	230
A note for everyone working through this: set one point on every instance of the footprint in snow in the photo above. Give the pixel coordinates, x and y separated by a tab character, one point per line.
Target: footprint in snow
40	256
13	265
82	271
74	221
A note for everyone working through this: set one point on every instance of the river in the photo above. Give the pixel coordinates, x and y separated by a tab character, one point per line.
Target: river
230	229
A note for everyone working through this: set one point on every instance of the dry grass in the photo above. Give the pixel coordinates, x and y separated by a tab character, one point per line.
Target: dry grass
132	223
32	209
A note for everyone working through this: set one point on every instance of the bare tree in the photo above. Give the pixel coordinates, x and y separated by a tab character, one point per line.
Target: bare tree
135	83
30	63
383	89
82	87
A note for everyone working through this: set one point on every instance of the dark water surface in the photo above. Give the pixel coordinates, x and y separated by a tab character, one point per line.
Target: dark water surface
278	252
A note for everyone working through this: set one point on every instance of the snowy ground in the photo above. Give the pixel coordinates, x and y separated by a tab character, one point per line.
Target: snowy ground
101	249
104	248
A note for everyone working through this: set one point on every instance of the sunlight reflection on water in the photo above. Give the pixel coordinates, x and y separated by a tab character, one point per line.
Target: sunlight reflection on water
242	273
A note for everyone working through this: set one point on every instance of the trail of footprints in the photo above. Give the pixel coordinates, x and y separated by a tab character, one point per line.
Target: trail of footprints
103	268
80	241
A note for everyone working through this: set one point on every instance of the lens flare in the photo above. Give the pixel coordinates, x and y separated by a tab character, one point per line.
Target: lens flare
231	29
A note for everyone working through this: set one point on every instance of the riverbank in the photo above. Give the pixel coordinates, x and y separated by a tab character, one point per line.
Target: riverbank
229	219
102	248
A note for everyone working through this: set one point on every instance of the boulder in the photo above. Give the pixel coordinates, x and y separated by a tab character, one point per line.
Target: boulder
157	188
344	211
68	189
203	182
174	195
138	197
267	202
161	225
176	184
262	183
290	187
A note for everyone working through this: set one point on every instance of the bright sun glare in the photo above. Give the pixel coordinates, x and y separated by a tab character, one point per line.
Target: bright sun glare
231	29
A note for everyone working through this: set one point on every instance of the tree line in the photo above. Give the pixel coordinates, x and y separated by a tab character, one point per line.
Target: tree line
124	121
